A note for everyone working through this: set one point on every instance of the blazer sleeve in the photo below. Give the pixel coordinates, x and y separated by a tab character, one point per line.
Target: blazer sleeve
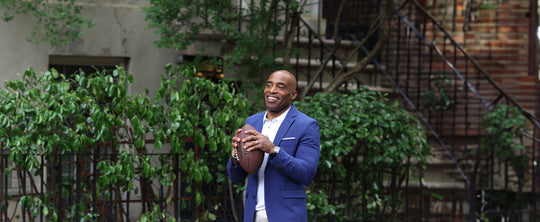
236	173
300	163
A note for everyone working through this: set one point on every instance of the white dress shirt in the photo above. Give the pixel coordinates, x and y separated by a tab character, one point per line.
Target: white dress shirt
270	128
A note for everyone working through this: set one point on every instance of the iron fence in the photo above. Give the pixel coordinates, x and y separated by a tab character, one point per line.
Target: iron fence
68	181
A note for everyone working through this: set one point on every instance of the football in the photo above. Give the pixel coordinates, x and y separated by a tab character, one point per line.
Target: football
250	161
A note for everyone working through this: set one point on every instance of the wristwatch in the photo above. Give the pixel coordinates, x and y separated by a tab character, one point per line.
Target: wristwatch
276	151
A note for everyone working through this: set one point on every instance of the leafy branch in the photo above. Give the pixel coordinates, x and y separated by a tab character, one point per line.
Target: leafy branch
58	22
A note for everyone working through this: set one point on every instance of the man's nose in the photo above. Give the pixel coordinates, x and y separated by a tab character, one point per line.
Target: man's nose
273	89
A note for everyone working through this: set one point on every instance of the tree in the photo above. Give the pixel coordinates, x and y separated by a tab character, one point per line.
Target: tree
252	32
247	32
59	21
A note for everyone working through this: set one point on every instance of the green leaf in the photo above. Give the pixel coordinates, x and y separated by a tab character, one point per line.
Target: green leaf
198	199
212	217
139	142
227	96
214	100
54	73
212	145
199	138
197	175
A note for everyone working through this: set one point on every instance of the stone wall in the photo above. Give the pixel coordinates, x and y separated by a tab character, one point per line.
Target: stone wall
119	32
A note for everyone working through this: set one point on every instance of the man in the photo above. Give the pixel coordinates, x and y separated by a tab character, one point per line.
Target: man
291	143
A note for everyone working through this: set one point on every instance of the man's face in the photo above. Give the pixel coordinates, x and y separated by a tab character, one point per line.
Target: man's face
280	91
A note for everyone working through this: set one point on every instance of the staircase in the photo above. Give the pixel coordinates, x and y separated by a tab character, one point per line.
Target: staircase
312	53
420	58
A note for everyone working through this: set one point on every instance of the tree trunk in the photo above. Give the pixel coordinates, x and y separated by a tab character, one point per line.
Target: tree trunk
337	43
343	77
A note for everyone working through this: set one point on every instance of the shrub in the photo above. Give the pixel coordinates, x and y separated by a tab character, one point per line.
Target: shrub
362	138
91	119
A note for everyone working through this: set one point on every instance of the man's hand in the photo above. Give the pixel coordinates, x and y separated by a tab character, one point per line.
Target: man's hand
258	141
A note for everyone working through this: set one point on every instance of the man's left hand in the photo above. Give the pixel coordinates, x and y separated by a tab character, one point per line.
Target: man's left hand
258	141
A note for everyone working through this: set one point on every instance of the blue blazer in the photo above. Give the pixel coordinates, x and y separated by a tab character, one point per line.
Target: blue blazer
287	174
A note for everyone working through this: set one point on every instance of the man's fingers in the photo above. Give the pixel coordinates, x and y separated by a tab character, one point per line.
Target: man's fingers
249	138
235	140
237	132
254	132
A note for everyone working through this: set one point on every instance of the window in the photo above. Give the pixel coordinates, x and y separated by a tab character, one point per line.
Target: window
71	64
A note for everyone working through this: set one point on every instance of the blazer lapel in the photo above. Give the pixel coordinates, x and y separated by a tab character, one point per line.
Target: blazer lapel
258	124
285	125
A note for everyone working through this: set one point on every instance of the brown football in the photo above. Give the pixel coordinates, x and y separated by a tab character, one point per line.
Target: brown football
250	161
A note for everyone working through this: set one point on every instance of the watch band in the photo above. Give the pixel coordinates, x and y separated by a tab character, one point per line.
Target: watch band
276	151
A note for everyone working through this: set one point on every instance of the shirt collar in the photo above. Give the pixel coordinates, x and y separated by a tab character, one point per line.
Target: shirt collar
280	118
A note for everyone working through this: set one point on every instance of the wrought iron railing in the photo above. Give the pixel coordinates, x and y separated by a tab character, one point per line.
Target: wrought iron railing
68	182
422	57
450	92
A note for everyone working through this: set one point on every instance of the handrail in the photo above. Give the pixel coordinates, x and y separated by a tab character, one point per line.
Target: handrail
327	48
430	60
420	116
535	122
476	64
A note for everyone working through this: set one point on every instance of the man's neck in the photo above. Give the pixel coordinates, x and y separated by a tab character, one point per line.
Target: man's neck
270	115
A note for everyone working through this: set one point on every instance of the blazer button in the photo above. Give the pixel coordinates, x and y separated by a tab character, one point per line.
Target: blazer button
253	196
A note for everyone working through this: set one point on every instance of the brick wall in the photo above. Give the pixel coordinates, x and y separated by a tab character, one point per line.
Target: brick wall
499	39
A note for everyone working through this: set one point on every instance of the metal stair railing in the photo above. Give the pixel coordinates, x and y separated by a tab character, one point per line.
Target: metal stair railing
325	51
420	55
413	63
336	62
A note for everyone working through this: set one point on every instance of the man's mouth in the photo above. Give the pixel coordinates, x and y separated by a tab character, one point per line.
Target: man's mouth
271	98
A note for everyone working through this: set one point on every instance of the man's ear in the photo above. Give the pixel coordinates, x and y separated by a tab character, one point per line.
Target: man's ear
293	95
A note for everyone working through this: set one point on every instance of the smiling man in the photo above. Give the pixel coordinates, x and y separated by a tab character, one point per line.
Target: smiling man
291	143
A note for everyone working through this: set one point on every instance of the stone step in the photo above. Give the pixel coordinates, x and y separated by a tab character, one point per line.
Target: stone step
317	63
313	49
329	42
307	68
